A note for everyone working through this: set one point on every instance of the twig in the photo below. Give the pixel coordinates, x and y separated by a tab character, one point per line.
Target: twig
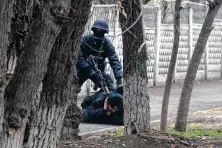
128	31
119	3
132	24
141	46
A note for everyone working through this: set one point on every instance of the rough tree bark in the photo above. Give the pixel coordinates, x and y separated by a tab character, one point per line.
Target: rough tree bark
136	98
167	89
114	1
71	123
60	84
183	108
22	17
5	17
31	67
5	21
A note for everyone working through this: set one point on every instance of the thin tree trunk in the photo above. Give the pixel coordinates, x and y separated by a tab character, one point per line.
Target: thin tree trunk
165	8
183	108
30	69
167	89
136	98
5	22
60	84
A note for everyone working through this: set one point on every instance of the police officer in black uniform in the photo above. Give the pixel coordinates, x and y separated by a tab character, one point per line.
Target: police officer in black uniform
99	47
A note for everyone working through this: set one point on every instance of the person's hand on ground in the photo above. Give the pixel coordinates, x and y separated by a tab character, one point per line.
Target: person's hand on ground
106	107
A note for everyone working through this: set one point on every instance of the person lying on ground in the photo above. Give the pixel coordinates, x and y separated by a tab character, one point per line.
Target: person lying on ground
103	108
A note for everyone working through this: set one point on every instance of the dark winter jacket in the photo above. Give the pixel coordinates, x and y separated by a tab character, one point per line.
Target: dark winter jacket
93	111
100	50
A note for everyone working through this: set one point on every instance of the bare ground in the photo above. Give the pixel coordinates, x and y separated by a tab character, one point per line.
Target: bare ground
144	141
208	119
133	141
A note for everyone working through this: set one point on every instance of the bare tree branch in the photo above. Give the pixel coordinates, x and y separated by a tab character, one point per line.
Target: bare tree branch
119	3
132	24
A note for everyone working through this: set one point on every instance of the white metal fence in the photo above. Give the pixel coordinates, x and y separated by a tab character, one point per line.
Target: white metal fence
158	22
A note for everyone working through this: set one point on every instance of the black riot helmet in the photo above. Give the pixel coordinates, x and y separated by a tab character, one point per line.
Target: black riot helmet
99	28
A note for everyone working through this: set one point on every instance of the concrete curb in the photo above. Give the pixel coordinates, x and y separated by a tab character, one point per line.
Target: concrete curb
101	131
108	129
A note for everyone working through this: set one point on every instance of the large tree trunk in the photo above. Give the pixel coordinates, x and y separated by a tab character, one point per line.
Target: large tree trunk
183	108
31	68
167	89
60	84
5	22
136	98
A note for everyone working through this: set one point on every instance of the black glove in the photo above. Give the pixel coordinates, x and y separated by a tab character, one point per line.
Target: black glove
120	90
119	86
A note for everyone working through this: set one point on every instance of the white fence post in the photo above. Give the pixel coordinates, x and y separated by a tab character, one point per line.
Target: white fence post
93	16
116	28
206	60
221	60
115	38
88	87
221	55
221	63
190	35
157	47
88	82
